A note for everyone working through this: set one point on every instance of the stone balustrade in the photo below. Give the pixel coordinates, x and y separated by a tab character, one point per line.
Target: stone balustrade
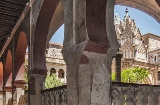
9	101
135	94
23	100
122	94
54	96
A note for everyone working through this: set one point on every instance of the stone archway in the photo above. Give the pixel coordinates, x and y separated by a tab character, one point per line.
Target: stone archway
40	36
61	73
57	21
53	71
8	69
148	6
20	53
90	42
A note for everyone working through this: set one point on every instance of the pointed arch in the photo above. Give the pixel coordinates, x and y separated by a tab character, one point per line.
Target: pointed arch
52	71
40	37
61	73
142	49
20	56
8	69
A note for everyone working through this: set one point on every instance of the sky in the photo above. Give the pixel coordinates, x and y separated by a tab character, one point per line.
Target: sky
144	22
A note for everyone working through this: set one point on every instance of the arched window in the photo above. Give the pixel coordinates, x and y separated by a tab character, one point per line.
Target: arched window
52	71
61	73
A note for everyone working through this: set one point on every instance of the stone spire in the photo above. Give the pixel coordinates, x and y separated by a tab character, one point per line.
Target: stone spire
127	15
127	18
126	11
117	19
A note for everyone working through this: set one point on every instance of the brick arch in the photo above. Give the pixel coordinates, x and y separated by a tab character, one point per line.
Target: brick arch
20	56
148	6
40	37
8	69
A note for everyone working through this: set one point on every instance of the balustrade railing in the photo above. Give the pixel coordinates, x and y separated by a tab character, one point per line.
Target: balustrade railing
122	94
135	94
9	101
23	100
54	96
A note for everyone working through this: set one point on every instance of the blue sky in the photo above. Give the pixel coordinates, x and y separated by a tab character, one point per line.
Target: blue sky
144	22
58	36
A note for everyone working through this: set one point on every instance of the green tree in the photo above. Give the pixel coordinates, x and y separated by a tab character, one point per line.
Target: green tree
133	75
52	81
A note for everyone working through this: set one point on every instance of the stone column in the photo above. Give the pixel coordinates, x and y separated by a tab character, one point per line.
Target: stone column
4	98
89	45
36	77
19	87
1	97
118	67
94	80
8	94
36	85
20	92
57	74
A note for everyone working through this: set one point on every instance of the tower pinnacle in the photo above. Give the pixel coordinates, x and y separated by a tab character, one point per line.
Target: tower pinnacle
126	11
127	15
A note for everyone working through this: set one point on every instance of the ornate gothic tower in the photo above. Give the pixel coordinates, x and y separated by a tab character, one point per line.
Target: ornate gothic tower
130	38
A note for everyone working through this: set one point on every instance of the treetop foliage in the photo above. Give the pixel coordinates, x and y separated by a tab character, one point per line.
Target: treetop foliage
133	75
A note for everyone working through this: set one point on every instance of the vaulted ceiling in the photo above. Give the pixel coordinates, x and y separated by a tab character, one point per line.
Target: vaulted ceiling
10	11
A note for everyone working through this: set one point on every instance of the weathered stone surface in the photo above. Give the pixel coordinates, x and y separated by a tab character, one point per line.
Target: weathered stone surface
89	45
35	98
99	79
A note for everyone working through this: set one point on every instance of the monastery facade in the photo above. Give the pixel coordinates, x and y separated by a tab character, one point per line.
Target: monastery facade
138	50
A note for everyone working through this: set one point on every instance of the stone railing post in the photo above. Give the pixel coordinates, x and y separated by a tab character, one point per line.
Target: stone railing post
118	67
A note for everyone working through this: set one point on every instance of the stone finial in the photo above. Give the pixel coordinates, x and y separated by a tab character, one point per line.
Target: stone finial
127	15
126	11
